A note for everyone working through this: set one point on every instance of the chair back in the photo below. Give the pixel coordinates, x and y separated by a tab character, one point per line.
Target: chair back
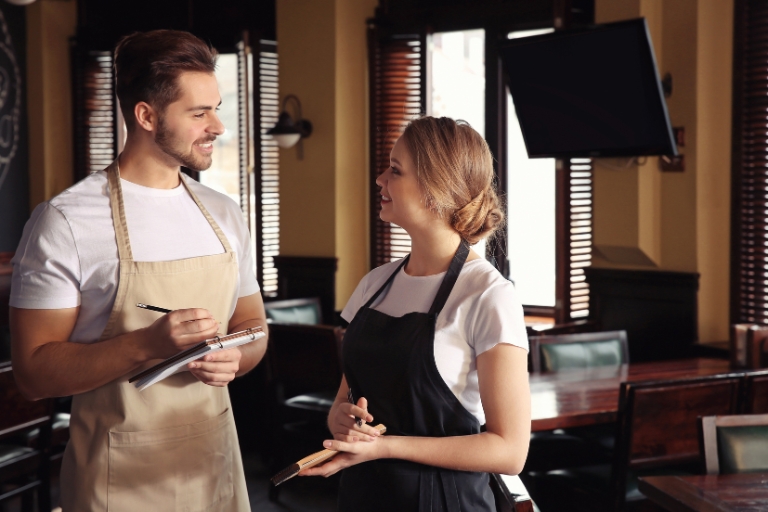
582	350
303	359
294	311
510	494
19	418
755	397
657	422
734	444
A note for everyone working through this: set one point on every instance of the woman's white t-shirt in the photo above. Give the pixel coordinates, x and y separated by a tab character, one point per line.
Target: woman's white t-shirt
482	311
68	257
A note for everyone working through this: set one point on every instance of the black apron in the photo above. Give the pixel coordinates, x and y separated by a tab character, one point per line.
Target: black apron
391	362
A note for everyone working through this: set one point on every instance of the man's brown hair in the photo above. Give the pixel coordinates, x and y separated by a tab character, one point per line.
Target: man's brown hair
148	65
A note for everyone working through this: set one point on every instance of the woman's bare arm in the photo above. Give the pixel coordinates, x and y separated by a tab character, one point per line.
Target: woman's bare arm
504	390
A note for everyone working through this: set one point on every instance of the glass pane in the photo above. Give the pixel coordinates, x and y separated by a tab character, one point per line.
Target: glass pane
458	80
531	222
223	175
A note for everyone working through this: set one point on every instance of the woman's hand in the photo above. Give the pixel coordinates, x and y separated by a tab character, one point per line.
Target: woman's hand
352	453
343	425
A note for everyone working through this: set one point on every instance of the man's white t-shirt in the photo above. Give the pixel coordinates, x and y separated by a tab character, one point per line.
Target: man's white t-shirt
68	256
482	311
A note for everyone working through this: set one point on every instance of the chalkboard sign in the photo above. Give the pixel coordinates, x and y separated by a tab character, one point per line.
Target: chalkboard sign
14	174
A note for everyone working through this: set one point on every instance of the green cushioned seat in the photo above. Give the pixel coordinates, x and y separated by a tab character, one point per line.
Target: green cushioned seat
307	314
742	449
559	356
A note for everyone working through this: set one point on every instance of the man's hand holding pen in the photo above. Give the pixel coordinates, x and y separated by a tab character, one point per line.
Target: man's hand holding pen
181	329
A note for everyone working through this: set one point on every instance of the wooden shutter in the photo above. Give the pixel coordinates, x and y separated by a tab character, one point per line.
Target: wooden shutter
244	127
749	243
398	94
95	111
267	175
579	236
574	238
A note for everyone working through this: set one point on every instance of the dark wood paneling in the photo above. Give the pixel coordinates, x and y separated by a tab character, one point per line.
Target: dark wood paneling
657	309
308	276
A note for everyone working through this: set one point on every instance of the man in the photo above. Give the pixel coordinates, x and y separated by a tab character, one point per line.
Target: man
141	232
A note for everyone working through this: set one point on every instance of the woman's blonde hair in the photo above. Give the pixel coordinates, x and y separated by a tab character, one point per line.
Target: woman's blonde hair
454	168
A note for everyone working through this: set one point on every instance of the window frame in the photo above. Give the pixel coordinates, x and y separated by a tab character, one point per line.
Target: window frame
497	20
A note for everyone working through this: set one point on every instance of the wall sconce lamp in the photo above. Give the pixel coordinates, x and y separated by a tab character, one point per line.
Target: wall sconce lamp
287	132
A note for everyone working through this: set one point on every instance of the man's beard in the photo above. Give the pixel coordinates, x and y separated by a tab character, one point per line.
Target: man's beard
169	145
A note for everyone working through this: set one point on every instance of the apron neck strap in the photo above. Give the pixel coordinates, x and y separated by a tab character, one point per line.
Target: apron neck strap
219	233
450	278
445	287
387	282
118	213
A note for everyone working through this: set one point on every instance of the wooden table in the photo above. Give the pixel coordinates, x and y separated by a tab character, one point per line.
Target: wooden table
574	398
745	492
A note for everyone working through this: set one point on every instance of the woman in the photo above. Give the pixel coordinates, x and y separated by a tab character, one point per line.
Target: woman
436	345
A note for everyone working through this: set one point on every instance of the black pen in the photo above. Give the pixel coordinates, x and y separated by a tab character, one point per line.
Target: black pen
351	400
152	308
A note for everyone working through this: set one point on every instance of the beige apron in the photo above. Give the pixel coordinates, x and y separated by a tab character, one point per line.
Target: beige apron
173	446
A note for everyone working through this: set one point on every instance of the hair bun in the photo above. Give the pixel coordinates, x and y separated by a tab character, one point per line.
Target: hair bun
479	218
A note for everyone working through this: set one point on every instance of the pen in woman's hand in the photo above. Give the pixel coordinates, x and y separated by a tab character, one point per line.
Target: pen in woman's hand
152	308
351	399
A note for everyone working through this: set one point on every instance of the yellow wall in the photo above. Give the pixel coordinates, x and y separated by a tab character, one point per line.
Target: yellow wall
50	24
306	47
713	206
352	164
323	198
679	221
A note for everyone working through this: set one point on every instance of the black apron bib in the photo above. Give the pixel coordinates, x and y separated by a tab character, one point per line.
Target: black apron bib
391	362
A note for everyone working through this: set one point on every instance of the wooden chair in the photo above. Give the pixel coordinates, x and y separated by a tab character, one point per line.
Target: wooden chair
656	433
575	327
734	444
755	393
294	311
581	446
24	471
304	373
510	494
581	350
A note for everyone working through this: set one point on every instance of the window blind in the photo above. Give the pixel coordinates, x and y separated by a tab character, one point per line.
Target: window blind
578	239
95	111
749	243
398	94
267	179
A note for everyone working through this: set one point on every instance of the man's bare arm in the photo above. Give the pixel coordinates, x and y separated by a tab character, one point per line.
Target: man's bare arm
46	364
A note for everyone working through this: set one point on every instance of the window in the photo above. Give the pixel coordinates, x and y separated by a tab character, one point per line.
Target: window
457	80
95	111
397	66
749	245
224	173
548	239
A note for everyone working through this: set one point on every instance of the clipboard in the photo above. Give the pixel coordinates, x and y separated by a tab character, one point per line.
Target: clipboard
175	363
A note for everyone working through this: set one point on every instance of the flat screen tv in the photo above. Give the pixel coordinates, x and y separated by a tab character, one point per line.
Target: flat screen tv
589	93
